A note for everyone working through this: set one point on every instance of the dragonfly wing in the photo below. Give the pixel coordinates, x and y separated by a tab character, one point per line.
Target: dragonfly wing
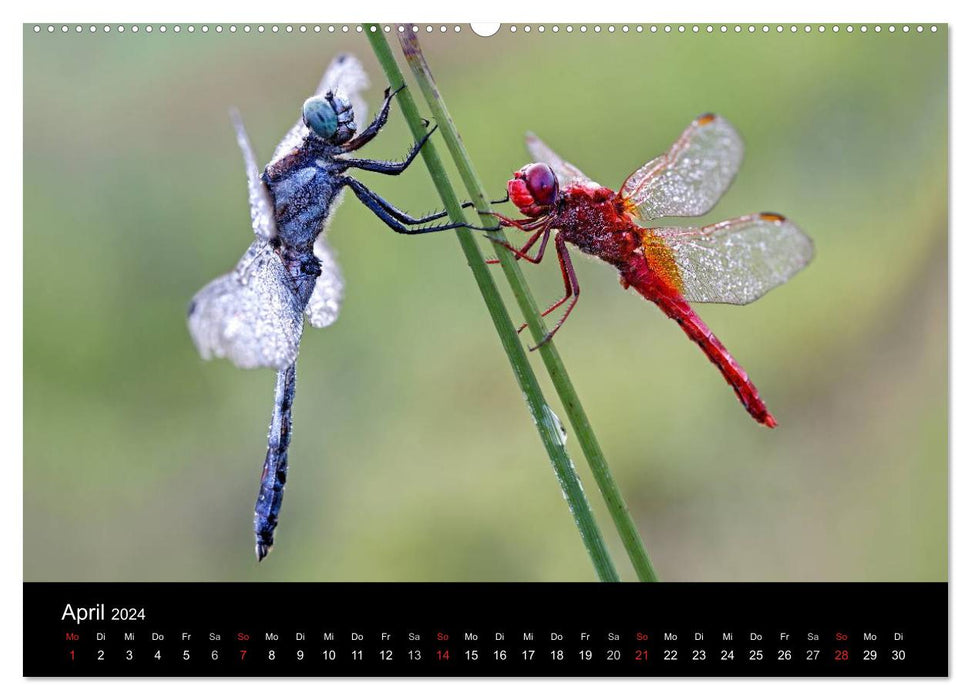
325	301
251	315
692	176
731	262
565	172
344	76
260	203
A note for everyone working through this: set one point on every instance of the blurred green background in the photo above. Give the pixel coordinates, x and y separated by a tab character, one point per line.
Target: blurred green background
413	455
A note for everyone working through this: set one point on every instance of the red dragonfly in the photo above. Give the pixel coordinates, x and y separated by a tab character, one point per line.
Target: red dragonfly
732	262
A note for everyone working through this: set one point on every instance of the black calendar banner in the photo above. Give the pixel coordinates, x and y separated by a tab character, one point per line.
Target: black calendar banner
477	629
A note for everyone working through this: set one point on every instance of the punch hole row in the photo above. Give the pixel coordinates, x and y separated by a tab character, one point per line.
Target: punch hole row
513	29
719	28
232	28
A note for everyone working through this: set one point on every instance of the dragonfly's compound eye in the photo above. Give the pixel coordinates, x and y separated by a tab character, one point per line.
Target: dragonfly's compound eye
541	182
320	117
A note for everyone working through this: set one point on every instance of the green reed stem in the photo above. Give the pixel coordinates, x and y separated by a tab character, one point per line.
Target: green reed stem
549	430
527	304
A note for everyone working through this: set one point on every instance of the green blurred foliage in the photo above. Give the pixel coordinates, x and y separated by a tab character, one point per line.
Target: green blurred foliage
413	456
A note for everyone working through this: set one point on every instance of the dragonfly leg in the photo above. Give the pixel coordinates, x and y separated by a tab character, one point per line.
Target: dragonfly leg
487	213
394	217
388	167
376	125
511	223
406	219
521	253
571	293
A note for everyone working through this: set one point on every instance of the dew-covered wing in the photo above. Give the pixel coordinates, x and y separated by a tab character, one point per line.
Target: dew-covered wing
692	176
566	173
325	301
344	76
250	315
731	262
260	202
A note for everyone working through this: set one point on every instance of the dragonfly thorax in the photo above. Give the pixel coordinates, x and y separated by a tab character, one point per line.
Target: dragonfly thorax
303	187
590	219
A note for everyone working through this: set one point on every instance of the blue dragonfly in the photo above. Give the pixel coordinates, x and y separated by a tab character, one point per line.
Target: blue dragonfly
254	315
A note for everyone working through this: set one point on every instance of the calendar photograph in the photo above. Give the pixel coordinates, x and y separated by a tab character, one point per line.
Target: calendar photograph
552	303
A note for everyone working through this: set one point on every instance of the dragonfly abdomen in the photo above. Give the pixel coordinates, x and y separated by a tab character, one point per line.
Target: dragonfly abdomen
304	269
640	276
274	477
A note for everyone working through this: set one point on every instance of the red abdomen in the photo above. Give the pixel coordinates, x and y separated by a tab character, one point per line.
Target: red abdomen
640	276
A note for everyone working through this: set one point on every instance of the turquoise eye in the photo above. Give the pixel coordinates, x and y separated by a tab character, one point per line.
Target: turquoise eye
320	117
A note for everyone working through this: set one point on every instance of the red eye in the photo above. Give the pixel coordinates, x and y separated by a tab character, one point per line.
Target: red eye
541	183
